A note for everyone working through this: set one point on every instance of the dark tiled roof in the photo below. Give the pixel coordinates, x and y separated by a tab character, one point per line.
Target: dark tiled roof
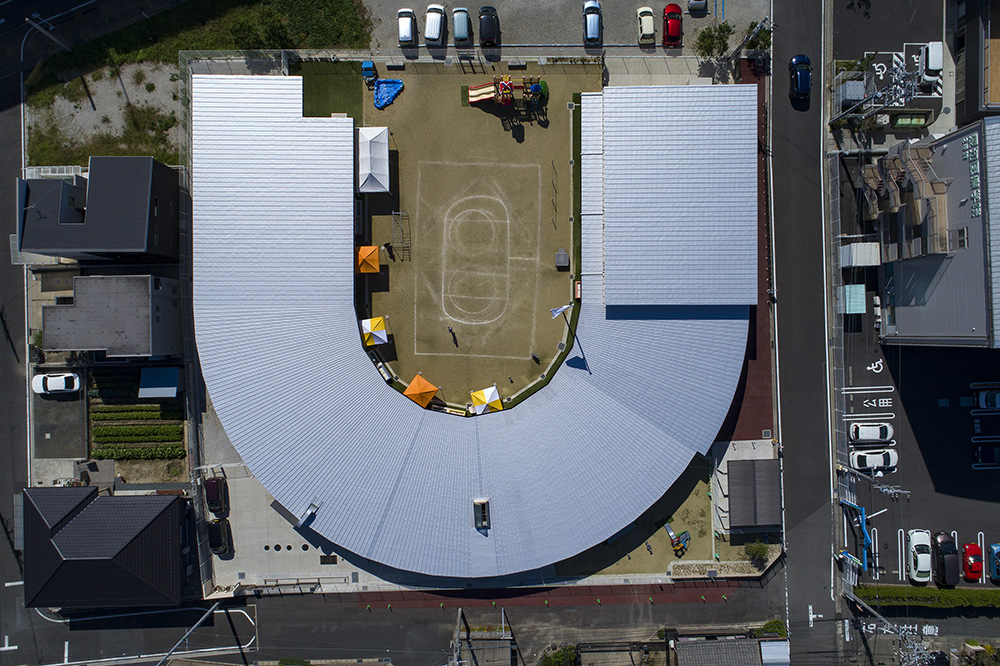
113	551
56	504
723	652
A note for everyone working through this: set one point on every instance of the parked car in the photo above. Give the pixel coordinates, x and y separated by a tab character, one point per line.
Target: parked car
60	382
434	22
989	399
918	558
800	77
220	537
217	495
672	26
945	560
489	27
931	62
875	461
592	28
697	6
461	27
407	22
994	551
871	432
987	455
972	561
647	33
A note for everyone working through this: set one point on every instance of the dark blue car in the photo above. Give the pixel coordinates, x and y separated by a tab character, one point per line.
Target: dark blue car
994	552
800	77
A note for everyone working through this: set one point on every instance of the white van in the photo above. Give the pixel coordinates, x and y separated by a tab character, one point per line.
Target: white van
931	61
434	25
407	21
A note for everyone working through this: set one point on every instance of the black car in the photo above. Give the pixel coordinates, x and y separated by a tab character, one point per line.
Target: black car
946	560
217	495
988	455
220	537
799	77
489	27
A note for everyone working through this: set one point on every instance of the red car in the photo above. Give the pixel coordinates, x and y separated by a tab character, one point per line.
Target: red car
672	27
972	561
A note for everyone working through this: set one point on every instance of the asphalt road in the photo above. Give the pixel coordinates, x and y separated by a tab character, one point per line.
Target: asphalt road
799	233
863	25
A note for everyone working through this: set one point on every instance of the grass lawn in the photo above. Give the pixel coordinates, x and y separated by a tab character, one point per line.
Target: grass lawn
331	87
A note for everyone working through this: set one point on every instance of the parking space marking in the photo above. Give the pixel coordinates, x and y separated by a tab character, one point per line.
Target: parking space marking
867	389
7	647
66	652
874	416
981	540
875	571
901	558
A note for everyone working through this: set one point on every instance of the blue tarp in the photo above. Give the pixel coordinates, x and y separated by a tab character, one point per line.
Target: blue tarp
386	90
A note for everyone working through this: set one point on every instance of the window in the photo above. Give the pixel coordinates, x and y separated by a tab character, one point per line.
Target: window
482	514
156	206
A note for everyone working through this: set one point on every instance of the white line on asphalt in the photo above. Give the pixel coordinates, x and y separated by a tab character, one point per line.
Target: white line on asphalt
66	652
981	540
899	558
874	416
867	389
986	438
49	619
7	647
13	583
874	534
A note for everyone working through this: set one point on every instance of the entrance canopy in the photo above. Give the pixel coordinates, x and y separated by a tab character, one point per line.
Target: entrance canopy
373	159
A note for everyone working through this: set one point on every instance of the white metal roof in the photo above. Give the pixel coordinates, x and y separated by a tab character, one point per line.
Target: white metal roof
373	159
282	359
680	195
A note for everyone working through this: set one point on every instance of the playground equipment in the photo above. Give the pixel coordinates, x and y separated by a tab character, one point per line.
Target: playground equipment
678	541
502	91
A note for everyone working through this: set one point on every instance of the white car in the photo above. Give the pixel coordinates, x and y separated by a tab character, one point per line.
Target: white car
871	432
918	555
63	382
989	399
434	22
407	22
875	461
647	33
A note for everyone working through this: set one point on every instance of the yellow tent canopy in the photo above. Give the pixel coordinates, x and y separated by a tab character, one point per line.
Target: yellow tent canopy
373	331
420	391
368	259
486	400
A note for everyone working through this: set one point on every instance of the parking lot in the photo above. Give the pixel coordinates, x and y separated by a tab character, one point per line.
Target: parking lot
559	23
928	396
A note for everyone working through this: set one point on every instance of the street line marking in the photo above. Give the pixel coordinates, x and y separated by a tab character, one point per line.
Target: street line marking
901	557
66	652
873	416
875	572
13	583
7	647
867	389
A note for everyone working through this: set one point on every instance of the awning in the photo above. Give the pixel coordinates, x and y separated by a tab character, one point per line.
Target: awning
373	331
368	259
486	400
420	391
373	159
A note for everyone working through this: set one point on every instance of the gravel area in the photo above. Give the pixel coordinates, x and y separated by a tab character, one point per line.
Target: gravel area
103	109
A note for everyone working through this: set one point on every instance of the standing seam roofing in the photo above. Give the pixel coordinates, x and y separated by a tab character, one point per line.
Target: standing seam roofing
273	267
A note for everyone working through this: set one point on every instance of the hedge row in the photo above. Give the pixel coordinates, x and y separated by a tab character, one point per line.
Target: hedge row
114	392
126	408
175	430
129	416
930	597
163	452
129	439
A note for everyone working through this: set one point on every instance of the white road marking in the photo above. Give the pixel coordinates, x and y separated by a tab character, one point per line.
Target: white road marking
874	416
66	652
981	540
13	583
874	535
901	558
867	389
7	647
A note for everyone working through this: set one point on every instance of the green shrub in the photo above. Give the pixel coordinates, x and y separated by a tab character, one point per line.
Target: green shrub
162	452
929	597
128	408
150	86
771	628
97	75
136	439
138	76
121	430
757	552
132	416
761	41
566	656
713	41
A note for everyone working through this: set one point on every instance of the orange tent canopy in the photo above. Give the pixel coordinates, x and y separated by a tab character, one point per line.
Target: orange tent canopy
368	259
420	391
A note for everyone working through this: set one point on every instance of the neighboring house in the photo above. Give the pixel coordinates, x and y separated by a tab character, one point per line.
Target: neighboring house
120	315
127	208
939	278
85	550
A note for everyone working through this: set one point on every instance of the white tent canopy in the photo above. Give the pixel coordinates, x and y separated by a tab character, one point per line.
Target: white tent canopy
373	159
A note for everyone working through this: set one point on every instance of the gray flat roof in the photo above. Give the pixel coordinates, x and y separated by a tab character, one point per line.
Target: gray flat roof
754	493
109	313
563	471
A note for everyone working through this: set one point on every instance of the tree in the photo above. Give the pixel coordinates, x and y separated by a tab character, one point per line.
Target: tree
713	41
245	35
757	552
761	41
563	657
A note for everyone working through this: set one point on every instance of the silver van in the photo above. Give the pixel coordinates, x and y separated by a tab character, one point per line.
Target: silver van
461	27
931	62
434	25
